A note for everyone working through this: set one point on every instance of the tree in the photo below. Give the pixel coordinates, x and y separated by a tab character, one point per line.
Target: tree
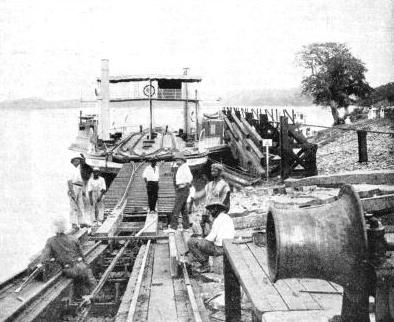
336	78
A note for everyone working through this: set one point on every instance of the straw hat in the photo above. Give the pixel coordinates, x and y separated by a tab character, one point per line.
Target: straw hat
217	166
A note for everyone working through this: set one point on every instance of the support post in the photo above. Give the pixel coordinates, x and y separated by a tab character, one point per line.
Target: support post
284	146
362	146
267	162
232	293
197	125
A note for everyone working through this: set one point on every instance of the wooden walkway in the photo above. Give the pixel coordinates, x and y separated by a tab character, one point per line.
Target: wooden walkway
161	298
137	200
286	300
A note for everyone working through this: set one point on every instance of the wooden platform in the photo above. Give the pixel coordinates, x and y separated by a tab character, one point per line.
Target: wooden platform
161	298
135	202
306	300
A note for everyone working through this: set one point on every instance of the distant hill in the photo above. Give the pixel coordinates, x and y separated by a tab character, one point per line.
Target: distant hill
258	97
37	103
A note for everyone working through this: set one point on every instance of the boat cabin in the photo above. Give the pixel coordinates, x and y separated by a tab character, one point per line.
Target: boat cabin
168	101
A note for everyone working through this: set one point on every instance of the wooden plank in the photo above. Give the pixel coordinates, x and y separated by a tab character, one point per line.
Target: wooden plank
326	301
192	298
134	300
110	225
378	203
201	306
174	258
162	298
180	243
123	310
258	140
241	127
289	289
183	308
131	227
151	224
336	180
141	311
300	316
255	283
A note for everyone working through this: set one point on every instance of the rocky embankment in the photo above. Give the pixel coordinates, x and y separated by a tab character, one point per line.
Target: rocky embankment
338	147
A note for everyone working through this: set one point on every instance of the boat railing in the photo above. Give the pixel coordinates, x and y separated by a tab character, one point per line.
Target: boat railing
125	128
169	93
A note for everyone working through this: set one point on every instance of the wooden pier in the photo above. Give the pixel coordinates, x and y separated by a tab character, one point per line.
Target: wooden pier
153	291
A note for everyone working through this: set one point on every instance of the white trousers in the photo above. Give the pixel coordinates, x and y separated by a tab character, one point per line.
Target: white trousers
96	212
78	206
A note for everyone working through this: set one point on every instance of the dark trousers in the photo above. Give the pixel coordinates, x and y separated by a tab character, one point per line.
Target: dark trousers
83	280
202	249
180	207
152	188
205	221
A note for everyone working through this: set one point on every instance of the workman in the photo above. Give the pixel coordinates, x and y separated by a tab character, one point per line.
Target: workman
151	177
75	193
66	250
96	189
183	181
212	245
217	188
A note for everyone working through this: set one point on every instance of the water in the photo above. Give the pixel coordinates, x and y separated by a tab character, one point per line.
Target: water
35	164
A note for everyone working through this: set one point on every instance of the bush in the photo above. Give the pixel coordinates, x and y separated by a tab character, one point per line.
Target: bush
358	114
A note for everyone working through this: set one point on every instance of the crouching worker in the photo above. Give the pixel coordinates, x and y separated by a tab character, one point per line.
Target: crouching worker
66	250
212	245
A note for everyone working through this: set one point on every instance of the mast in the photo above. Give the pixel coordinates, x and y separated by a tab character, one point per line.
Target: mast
104	100
150	110
186	108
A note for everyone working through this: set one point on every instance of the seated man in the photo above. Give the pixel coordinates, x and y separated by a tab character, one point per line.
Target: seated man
67	251
222	228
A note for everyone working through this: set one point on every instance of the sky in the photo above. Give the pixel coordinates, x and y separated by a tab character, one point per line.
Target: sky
51	49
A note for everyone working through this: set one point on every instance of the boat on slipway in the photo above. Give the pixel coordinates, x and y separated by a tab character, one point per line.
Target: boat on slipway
144	116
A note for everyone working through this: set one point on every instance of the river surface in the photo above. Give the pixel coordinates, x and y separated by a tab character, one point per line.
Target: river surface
34	166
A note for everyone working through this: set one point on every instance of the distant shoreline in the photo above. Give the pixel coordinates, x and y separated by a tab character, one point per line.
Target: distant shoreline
38	104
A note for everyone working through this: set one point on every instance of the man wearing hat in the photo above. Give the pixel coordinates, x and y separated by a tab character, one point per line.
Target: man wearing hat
66	250
96	189
183	181
151	177
75	190
212	245
217	188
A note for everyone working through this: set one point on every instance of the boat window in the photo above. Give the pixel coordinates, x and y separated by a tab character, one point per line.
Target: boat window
169	89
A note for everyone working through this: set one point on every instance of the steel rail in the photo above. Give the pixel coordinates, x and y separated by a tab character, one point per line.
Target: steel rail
101	283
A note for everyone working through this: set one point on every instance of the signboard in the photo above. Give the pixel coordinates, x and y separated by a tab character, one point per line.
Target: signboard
267	142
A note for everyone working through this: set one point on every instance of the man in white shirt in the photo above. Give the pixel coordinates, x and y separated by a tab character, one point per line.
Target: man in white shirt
75	189
151	177
212	245
183	181
96	190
